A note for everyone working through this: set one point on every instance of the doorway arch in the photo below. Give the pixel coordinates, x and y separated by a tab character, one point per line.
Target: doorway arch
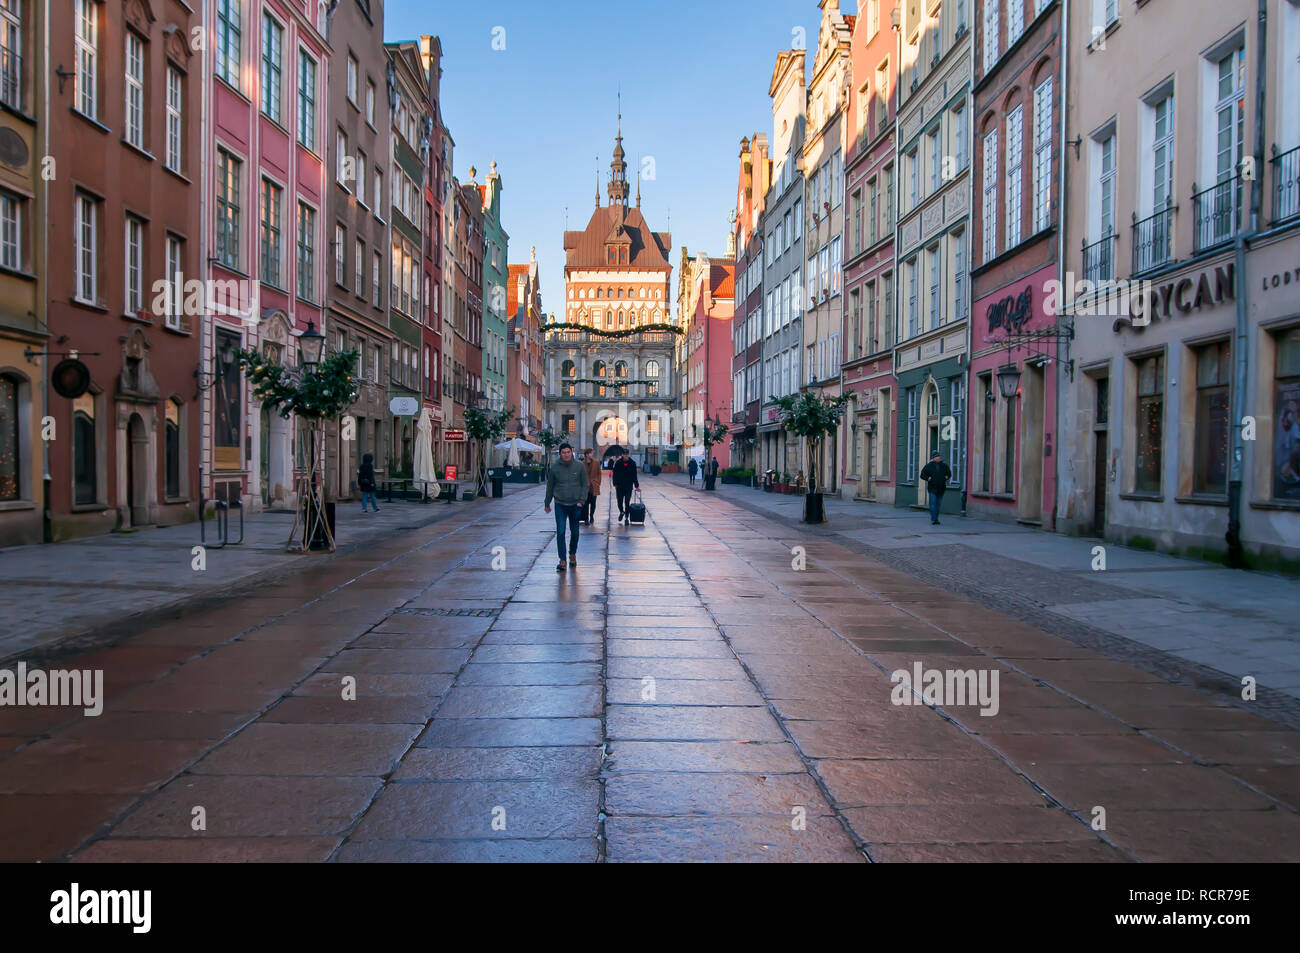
137	470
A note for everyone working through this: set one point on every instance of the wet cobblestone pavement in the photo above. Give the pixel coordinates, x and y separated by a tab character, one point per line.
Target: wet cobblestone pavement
694	689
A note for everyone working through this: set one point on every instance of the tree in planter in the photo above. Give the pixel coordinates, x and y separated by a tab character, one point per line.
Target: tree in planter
712	435
549	439
316	393
484	426
812	417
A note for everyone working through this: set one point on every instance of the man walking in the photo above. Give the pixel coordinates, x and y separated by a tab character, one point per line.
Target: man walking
594	476
624	479
935	474
566	484
692	468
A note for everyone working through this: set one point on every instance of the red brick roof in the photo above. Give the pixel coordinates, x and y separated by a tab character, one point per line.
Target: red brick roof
649	249
722	282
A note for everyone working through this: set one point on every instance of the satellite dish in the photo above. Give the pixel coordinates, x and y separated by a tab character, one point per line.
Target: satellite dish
70	378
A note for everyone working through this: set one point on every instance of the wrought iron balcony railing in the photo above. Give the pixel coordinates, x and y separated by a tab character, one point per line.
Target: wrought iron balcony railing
1286	184
1216	213
1099	259
1153	239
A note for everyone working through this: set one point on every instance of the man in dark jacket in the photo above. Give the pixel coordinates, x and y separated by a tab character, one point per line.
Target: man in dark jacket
935	474
566	484
692	468
624	479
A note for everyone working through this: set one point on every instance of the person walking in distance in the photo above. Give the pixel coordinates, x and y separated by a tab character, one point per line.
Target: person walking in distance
566	484
594	477
692	468
366	482
935	474
624	479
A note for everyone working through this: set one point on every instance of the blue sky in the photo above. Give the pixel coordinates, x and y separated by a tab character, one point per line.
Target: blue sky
694	81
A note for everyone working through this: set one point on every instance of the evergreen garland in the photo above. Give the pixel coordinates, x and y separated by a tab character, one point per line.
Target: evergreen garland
322	393
620	333
610	381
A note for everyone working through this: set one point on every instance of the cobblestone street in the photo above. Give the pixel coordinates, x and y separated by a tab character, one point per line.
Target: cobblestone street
713	685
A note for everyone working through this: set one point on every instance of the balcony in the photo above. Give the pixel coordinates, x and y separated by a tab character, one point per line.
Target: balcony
1216	213
1153	239
570	337
1099	259
1286	184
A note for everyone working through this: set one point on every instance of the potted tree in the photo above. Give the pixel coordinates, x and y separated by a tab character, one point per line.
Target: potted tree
711	433
549	439
485	426
317	389
812	417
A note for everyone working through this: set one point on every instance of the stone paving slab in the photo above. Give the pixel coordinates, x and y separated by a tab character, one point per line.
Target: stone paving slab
414	705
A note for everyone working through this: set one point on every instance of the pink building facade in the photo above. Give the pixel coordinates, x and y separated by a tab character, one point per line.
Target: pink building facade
264	219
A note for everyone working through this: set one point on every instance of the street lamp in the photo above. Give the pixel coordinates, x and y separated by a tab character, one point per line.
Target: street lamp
311	344
1008	380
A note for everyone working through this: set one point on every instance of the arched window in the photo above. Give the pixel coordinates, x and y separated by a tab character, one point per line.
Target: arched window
620	320
609	292
598	369
11	461
642	293
657	316
652	375
600	292
172	448
620	292
620	368
567	370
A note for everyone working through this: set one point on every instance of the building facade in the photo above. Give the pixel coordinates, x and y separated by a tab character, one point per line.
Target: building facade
495	272
24	388
781	231
1011	473
1197	347
434	186
128	234
265	191
524	345
932	245
869	268
752	184
707	354
610	377
823	163
358	153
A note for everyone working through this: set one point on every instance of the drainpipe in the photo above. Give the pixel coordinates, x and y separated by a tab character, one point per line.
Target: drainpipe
1060	261
47	522
1241	344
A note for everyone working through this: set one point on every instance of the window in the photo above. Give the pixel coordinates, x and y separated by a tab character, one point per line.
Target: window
1213	434
932	266
837	179
306	252
359	265
379	192
134	82
370	102
957	445
1163	154
1286	413
272	211
959	274
797	219
85	476
11	445
341	158
340	255
913	160
376	278
1015	192
87	45
959	137
912	304
134	246
87	249
228	40
888	321
176	280
352	79
306	100
1150	422
228	172
990	207
11	231
909	472
11	48
1015	20
359	178
172	448
991	27
1043	155
932	157
175	115
272	56
837	260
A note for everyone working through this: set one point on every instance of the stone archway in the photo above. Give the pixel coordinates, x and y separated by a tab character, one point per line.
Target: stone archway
275	434
929	435
608	433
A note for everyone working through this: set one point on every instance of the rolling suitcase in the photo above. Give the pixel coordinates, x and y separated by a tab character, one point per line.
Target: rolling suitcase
636	509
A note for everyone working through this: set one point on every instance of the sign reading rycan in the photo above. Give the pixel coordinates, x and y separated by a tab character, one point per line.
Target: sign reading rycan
453	436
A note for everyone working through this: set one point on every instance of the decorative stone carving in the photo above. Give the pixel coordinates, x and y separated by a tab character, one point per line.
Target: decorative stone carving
136	381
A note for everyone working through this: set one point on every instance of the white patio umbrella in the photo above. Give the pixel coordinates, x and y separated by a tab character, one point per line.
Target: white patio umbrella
514	445
422	467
